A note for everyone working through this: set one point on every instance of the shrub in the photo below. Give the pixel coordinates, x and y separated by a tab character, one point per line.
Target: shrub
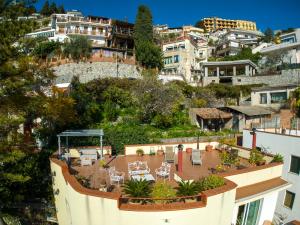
187	188
84	181
137	188
255	156
210	182
277	158
140	151
162	190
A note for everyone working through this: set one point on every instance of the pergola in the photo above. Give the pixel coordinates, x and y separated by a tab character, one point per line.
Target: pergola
81	133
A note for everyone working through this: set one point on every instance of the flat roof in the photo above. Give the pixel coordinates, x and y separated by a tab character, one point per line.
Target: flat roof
81	133
249	191
280	47
251	110
270	88
225	63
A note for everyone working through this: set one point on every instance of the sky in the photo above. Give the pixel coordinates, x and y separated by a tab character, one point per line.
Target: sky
276	14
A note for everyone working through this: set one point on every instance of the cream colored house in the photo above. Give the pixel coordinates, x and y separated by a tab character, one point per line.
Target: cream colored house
248	197
183	56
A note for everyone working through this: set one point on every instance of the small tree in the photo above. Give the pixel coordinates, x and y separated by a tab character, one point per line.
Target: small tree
78	47
269	35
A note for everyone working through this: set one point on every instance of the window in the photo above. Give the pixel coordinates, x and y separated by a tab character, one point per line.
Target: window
176	58
263	98
278	97
289	199
295	165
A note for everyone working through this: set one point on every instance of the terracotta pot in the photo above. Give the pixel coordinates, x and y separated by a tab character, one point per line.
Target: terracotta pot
189	150
208	148
160	152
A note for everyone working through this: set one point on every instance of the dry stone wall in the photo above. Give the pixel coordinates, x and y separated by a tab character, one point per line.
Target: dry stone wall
94	70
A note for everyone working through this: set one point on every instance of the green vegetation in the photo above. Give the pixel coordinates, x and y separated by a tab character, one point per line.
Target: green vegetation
187	188
255	156
137	188
278	158
78	48
49	9
147	53
140	151
211	182
269	35
245	53
162	190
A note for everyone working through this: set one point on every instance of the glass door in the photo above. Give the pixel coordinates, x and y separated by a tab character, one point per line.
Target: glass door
248	214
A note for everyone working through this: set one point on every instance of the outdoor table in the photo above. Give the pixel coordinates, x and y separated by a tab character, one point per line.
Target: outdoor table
148	177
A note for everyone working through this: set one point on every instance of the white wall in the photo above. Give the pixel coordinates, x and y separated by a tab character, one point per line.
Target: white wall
286	146
81	209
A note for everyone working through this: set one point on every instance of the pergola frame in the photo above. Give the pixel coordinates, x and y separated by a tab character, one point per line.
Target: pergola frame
81	133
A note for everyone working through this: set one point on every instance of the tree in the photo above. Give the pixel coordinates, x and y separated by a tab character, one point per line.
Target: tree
147	53
46	9
61	9
44	49
53	8
78	47
269	35
143	28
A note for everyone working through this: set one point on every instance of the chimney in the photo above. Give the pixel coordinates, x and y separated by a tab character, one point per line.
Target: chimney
253	133
180	158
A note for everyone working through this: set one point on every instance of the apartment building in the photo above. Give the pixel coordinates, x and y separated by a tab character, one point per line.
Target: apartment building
214	23
233	40
285	142
183	55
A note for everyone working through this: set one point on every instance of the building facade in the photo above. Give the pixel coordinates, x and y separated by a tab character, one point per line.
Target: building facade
272	96
183	56
214	23
288	204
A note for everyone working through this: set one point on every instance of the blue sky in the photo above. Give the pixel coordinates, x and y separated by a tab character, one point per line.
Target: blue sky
277	14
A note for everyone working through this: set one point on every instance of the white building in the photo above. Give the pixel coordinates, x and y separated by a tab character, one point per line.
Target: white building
183	56
288	204
271	96
248	196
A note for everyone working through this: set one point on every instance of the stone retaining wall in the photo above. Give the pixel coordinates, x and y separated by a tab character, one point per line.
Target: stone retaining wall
87	71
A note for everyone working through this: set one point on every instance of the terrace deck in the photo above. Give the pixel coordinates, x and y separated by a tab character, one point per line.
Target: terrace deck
190	172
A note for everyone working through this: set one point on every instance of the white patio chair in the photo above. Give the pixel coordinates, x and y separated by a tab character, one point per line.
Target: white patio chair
163	171
115	176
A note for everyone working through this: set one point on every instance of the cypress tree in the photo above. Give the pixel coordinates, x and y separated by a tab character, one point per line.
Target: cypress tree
45	9
143	28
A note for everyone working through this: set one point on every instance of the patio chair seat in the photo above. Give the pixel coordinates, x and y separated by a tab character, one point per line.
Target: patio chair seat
196	157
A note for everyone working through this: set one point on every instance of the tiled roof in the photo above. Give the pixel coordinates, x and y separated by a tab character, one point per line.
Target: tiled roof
212	113
251	110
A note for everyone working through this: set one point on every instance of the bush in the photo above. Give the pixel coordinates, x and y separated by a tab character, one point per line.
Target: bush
211	182
137	188
162	190
255	156
187	188
140	151
278	158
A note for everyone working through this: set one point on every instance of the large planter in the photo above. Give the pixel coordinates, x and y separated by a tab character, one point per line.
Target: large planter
160	152
189	150
208	148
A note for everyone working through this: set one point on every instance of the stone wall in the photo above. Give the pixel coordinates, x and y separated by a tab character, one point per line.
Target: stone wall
286	77
94	70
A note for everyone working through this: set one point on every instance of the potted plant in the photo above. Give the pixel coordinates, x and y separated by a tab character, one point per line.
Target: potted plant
137	189
209	147
256	158
189	150
140	152
278	158
188	188
163	190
